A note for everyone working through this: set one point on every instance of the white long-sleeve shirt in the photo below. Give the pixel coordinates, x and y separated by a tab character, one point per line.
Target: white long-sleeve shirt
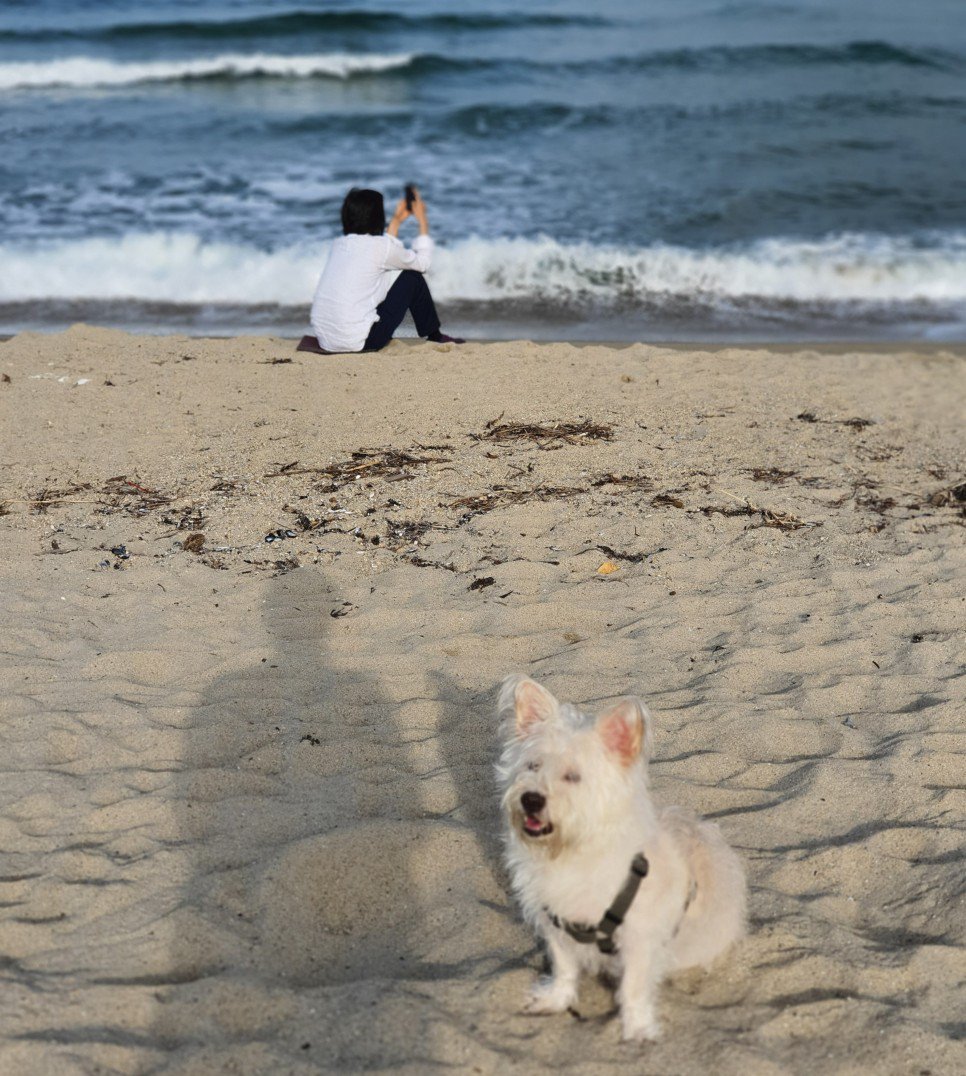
357	277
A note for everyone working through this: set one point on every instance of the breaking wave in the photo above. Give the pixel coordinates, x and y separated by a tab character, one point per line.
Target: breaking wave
183	268
93	71
85	71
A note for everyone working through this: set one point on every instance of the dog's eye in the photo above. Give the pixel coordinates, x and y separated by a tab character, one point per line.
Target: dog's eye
572	776
534	766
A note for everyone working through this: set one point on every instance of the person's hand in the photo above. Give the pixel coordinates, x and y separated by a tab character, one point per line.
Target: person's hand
398	217
419	212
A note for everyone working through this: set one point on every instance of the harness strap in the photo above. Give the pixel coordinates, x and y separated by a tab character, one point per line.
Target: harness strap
602	933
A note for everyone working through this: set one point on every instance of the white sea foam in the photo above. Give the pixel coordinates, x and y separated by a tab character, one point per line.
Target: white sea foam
843	268
83	71
181	268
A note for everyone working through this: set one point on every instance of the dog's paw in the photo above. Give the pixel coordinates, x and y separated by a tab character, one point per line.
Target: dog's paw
549	996
640	1030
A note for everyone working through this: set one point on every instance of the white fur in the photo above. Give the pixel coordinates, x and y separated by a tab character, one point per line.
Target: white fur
592	778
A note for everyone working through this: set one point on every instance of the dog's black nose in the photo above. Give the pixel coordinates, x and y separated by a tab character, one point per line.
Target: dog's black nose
532	802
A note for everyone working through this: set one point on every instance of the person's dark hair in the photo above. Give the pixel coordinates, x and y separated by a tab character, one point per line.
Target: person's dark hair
363	213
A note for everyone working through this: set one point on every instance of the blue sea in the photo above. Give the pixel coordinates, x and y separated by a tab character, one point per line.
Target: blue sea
626	169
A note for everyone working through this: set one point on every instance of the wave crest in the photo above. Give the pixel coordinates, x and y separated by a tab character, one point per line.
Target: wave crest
94	71
81	71
831	272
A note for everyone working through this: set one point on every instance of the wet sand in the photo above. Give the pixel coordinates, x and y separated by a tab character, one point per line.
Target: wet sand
248	819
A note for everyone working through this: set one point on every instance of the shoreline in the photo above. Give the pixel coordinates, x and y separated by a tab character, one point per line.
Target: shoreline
831	346
250	810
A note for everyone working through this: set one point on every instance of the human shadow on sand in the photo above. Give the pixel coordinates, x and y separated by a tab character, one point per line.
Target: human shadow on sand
318	894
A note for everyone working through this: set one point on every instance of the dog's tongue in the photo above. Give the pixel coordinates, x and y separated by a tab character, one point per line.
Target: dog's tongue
532	824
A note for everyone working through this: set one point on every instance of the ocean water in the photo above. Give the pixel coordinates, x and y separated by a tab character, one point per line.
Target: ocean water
625	169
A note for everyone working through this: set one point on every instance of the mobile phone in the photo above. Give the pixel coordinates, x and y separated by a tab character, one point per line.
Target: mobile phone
410	196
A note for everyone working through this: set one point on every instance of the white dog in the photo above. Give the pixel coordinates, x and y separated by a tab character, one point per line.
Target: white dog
612	883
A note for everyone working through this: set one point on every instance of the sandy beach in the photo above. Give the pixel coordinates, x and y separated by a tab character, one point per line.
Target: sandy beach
248	819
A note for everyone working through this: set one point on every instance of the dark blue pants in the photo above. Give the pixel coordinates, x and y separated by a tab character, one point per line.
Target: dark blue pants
410	293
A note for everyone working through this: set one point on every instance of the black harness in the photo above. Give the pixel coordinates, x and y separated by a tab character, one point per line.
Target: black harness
602	934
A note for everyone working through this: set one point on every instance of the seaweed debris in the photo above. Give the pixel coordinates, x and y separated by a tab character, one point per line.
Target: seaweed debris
951	497
501	496
632	558
129	496
762	517
876	504
391	464
852	423
422	562
668	498
773	475
628	481
783	521
49	497
191	518
406	532
194	543
545	436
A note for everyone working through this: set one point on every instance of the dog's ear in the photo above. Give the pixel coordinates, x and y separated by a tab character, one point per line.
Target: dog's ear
530	703
625	729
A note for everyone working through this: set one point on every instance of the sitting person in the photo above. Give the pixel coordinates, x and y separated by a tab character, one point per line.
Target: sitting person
371	280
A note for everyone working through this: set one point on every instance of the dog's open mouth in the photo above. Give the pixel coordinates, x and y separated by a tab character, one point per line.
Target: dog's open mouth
534	826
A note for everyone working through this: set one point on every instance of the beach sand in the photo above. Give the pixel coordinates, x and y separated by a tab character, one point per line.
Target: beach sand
247	816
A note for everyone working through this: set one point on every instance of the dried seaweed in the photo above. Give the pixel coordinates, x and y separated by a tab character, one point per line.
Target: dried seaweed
952	496
191	518
729	510
49	497
422	562
194	543
668	499
762	517
571	433
130	496
773	475
852	423
406	532
632	558
308	523
876	504
391	464
628	481
501	496
784	521
481	583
